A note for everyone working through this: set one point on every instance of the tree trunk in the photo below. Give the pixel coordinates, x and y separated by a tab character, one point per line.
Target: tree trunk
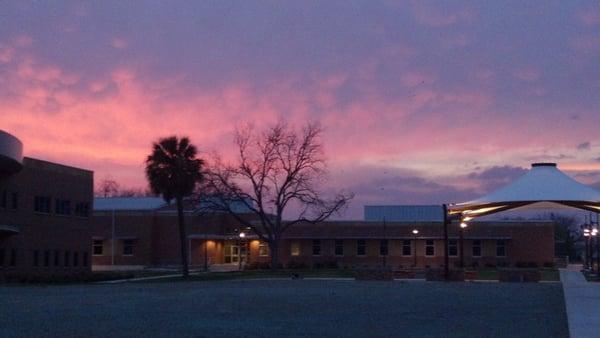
183	238
274	248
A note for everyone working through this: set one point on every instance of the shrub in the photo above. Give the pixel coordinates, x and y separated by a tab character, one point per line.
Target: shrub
332	265
318	265
521	265
502	264
490	265
549	265
296	265
532	265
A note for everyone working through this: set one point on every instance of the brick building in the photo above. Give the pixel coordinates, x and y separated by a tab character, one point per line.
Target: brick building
145	234
45	211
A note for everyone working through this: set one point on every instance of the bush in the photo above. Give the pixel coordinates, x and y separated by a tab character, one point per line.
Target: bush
332	265
532	265
520	265
502	264
490	265
550	265
296	265
318	265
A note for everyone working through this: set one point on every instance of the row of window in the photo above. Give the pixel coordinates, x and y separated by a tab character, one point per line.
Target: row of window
127	247
43	204
9	200
46	258
407	248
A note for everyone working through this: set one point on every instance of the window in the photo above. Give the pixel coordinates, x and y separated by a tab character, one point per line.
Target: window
1	257
406	247
47	258
36	258
501	248
3	199
316	247
82	209
339	247
429	248
383	247
67	258
128	247
452	247
62	207
295	249
41	204
263	249
476	249
75	258
15	201
13	257
361	247
85	259
98	247
56	257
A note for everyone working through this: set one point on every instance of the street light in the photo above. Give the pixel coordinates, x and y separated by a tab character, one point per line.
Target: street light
415	232
586	235
242	235
463	225
594	234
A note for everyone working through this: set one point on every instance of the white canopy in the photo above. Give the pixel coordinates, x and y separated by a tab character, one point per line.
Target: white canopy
544	183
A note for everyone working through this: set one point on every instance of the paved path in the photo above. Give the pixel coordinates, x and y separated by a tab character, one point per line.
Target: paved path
582	300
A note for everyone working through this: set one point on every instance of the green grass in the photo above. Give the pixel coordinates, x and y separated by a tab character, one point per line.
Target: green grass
266	274
548	274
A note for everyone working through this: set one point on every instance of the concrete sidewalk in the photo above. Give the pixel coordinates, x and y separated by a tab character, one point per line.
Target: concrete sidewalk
582	301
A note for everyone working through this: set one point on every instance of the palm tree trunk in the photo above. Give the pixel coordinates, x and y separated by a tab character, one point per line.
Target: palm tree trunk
183	238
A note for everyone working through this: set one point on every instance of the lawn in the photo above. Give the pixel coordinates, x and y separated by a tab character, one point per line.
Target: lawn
548	274
285	308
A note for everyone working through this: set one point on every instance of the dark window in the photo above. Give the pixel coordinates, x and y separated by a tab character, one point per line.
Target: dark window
15	201
82	209
429	247
361	247
406	247
13	257
56	257
75	258
316	247
47	258
1	256
84	261
128	247
3	199
383	247
476	249
62	207
501	248
36	258
67	258
339	247
98	247
452	247
41	204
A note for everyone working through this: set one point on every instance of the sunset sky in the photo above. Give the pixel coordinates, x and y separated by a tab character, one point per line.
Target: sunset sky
422	102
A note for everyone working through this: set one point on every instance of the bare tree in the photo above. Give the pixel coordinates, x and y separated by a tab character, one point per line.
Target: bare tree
108	188
275	169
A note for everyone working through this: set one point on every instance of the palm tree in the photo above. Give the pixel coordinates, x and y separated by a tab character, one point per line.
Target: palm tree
173	171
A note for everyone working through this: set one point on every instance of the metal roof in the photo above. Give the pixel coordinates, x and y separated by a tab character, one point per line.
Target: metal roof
128	203
404	213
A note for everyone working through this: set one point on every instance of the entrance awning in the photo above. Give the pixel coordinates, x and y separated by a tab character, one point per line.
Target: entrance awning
543	185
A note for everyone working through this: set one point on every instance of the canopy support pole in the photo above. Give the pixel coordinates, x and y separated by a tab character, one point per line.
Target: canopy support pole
446	257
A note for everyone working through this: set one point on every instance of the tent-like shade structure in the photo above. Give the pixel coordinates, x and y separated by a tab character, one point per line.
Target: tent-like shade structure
543	184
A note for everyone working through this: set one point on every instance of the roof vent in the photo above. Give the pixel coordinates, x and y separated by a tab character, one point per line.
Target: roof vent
543	164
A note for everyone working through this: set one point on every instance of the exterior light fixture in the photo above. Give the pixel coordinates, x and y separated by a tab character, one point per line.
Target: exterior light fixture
415	231
242	234
463	225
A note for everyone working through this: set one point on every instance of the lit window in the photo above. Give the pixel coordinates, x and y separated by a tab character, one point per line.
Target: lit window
128	245
406	247
361	247
476	249
339	247
98	247
316	247
263	249
295	249
383	247
501	248
452	247
429	248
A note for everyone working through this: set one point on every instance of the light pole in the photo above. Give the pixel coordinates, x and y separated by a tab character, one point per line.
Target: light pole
586	238
463	226
594	235
415	232
241	235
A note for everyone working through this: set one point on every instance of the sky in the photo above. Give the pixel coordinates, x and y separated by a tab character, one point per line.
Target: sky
422	102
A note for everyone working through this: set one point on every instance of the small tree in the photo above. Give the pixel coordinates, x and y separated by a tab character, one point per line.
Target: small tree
274	169
108	188
173	171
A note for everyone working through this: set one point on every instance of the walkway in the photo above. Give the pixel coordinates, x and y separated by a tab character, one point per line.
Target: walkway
582	300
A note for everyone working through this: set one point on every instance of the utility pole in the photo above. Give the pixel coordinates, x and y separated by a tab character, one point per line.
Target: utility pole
387	248
446	257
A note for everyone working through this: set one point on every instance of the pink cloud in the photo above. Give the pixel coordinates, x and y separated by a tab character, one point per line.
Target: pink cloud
589	16
528	74
431	14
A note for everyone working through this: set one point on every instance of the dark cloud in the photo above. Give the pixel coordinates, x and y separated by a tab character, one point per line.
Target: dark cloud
584	146
497	176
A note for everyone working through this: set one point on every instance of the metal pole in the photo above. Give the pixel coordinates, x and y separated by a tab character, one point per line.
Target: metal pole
597	245
384	237
415	249
446	257
112	246
461	248
205	252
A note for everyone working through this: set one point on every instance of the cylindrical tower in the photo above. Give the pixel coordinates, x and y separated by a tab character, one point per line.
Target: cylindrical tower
11	154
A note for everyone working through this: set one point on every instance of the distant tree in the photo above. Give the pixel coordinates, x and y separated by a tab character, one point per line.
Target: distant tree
275	169
565	234
134	192
108	188
173	171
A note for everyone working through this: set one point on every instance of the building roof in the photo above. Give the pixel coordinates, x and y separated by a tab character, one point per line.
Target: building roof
403	213
544	183
128	203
